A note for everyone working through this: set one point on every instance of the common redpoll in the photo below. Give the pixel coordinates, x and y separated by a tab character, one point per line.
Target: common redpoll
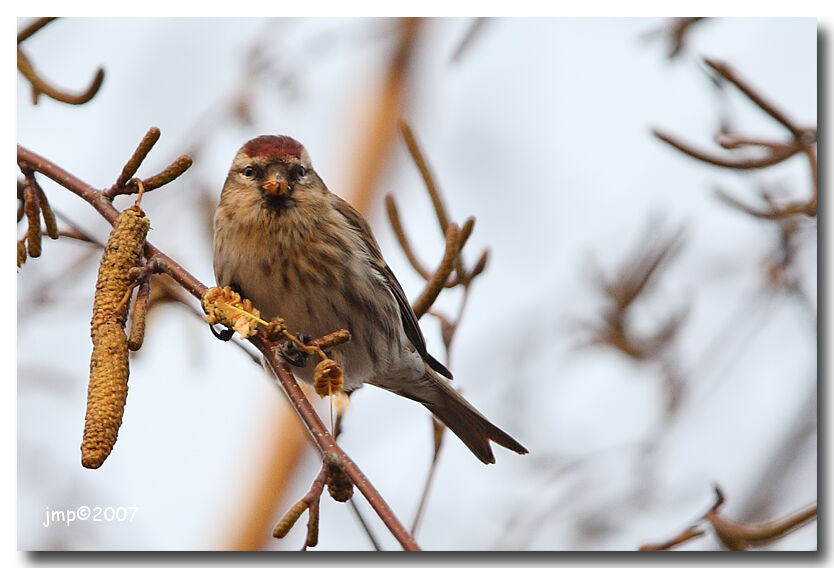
302	253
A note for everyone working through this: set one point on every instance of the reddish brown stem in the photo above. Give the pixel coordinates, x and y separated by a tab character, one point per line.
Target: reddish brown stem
327	445
321	437
148	141
31	28
728	73
774	156
39	86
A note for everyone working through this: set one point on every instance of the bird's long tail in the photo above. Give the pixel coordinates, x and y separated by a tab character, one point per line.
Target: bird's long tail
459	416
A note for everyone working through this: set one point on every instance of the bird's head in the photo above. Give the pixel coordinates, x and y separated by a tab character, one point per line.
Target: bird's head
275	169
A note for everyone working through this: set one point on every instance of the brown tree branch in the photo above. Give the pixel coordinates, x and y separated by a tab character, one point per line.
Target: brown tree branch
738	536
40	86
327	445
772	213
757	98
775	155
441	278
32	27
324	442
139	155
675	31
394	218
804	141
420	162
435	285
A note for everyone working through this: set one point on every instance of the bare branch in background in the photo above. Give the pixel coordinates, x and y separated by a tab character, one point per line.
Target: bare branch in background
39	85
622	291
33	27
734	535
475	29
456	239
614	327
804	141
675	32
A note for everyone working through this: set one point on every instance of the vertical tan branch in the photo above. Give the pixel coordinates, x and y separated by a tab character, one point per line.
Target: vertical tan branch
385	108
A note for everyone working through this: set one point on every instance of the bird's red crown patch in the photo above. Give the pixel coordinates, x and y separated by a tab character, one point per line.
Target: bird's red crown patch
269	145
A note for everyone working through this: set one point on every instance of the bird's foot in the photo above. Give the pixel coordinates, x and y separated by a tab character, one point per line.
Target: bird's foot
292	353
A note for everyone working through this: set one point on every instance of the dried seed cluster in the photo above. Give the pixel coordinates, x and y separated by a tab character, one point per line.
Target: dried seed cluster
107	391
328	378
225	306
339	484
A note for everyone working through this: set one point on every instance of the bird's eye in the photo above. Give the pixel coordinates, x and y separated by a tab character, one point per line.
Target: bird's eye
299	172
249	171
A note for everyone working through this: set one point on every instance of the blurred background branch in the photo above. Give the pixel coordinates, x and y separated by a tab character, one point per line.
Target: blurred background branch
721	327
39	85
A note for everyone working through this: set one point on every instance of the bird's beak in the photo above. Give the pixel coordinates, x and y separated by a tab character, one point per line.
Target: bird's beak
276	185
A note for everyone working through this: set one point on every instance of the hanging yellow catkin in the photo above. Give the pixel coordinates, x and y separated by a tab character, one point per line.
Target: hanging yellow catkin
107	391
33	215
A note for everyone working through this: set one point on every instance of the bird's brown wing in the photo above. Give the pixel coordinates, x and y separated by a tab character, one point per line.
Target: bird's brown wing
409	320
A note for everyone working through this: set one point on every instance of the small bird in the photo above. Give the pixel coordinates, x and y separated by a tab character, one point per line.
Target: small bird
298	251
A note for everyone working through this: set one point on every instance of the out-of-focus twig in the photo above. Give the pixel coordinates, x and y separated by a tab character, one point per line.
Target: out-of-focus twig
447	265
428	179
804	141
39	85
32	27
614	328
621	292
675	31
394	218
689	533
441	278
803	135
475	29
776	154
734	535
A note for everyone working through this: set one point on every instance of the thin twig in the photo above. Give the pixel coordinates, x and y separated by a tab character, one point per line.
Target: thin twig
365	526
428	179
812	162
774	156
33	27
435	285
686	535
438	428
731	75
773	213
310	502
129	170
738	536
40	86
394	218
326	445
321	437
474	29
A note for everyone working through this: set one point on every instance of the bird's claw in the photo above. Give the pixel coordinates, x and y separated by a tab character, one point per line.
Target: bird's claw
292	353
223	334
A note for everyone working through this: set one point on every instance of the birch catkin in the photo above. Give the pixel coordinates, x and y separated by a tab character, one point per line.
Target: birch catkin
107	391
